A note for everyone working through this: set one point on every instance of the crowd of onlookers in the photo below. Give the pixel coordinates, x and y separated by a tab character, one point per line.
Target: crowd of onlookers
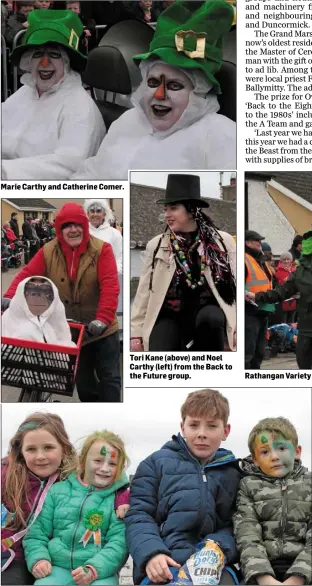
19	245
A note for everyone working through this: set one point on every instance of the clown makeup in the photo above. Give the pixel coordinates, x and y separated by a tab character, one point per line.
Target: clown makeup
96	215
166	95
47	67
101	465
274	454
39	296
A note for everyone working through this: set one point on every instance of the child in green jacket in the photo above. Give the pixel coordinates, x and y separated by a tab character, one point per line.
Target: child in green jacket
78	538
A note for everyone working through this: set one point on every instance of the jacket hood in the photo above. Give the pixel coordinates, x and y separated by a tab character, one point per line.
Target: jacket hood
72	212
109	216
220	458
248	468
19	322
122	482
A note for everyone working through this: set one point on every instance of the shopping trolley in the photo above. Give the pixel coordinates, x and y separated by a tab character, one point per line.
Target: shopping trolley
40	369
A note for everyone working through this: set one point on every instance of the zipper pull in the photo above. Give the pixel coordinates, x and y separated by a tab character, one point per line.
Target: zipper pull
284	485
204	477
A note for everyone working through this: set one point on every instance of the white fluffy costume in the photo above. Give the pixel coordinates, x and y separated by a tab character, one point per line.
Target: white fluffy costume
105	231
200	139
51	326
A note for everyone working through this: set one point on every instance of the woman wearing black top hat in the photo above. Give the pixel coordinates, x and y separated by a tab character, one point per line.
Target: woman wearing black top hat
187	291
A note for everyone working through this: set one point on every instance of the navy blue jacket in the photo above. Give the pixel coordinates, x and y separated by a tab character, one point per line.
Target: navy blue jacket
175	503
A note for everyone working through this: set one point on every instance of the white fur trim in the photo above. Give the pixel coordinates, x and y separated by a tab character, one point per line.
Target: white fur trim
105	205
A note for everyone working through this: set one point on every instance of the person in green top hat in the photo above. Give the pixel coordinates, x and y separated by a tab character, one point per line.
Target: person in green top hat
174	123
300	281
50	124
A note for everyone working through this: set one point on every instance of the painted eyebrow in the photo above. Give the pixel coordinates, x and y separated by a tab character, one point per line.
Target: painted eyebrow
158	75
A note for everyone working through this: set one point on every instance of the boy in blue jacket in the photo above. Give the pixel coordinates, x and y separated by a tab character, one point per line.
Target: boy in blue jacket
185	493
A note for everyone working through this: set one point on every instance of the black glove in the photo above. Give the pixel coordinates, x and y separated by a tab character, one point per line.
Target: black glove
5	302
96	327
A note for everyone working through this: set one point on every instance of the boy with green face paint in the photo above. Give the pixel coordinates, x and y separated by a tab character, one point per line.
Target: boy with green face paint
273	521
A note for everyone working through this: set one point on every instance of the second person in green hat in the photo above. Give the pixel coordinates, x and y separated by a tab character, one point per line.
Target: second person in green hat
175	122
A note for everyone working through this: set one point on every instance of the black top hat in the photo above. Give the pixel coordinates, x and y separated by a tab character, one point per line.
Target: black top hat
183	188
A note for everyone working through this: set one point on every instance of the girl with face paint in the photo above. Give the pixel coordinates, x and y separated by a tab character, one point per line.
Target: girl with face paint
38	454
273	520
85	516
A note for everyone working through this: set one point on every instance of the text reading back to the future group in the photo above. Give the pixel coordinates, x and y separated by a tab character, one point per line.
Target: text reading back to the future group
174	367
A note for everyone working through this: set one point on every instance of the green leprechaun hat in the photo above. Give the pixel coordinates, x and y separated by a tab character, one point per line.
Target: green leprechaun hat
53	26
190	34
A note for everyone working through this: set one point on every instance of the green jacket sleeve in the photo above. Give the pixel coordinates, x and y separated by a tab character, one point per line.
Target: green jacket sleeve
248	534
302	564
36	540
280	292
110	559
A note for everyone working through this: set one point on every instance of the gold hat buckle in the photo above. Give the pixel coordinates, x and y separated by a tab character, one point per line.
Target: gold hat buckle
73	40
199	52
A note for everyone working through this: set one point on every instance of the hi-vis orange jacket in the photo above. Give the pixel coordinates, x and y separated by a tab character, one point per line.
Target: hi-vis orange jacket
257	279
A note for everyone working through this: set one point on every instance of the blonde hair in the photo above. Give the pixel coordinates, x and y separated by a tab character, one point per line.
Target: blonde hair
108	437
206	402
275	425
16	486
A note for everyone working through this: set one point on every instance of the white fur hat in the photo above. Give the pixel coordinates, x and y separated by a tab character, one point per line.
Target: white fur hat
102	202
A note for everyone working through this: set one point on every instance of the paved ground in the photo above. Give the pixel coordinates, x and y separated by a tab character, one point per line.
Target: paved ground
281	362
125	576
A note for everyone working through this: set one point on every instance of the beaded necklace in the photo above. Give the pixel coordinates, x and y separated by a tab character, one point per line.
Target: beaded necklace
182	261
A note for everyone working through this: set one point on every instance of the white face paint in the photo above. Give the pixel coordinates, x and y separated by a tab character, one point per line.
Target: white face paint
166	95
47	67
101	465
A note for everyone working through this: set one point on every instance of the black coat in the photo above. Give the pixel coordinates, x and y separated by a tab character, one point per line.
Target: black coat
299	282
15	227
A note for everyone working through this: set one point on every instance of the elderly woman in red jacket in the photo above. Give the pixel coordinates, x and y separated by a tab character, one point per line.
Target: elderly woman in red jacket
9	234
284	269
84	270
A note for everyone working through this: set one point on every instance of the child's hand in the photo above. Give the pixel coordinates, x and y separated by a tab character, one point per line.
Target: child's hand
157	568
41	569
87	32
82	575
121	511
294	581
